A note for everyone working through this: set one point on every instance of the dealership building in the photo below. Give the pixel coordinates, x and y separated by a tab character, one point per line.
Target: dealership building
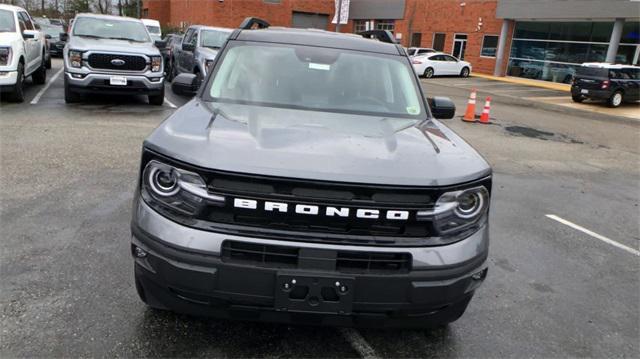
542	40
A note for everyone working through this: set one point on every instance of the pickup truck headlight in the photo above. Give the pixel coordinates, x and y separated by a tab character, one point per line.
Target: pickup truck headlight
5	56
175	189
156	63
75	58
458	210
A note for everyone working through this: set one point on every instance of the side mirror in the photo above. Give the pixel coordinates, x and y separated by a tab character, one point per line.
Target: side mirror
47	36
442	108
64	36
184	84
29	34
188	47
160	44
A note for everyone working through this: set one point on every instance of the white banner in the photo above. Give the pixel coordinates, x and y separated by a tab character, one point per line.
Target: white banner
344	12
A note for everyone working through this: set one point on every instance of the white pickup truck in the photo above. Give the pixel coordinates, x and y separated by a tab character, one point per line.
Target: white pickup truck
22	52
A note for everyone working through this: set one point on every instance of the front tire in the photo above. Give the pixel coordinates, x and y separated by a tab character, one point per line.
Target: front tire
157	100
40	76
17	95
615	100
69	95
428	73
465	72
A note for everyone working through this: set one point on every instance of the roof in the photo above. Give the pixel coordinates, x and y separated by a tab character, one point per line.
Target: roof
11	7
319	38
204	27
111	17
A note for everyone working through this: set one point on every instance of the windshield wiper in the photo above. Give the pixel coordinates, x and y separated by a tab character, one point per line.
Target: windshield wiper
89	36
124	38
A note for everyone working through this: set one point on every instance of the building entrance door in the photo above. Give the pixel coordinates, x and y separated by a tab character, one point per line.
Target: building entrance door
459	46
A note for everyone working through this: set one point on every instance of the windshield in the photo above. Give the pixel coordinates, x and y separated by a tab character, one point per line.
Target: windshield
110	29
313	78
53	31
7	24
213	39
153	29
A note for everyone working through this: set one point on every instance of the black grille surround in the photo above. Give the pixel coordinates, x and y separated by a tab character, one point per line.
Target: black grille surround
281	257
103	61
314	228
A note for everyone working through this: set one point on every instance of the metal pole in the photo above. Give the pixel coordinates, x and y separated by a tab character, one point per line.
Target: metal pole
614	41
338	17
502	44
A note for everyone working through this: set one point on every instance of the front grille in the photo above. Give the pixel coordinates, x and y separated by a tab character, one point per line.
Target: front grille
131	63
272	256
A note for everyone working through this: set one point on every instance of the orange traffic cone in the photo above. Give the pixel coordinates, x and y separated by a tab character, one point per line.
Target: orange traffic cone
484	118
470	114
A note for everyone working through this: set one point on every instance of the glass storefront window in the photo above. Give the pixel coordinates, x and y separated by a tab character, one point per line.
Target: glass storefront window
524	49
570	31
532	30
625	54
541	70
597	53
601	31
631	32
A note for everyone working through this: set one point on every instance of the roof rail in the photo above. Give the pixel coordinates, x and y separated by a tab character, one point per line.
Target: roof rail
380	35
248	23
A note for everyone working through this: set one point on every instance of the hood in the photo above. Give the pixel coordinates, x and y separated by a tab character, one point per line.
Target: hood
208	53
108	45
317	145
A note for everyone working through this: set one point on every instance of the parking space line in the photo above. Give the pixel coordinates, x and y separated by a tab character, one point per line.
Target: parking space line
42	90
166	100
359	343
593	234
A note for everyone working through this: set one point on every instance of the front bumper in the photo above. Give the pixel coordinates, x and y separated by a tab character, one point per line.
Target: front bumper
99	83
178	274
8	79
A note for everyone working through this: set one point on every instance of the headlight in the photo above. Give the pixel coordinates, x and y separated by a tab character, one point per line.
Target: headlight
156	63
176	189
5	56
208	65
75	58
458	210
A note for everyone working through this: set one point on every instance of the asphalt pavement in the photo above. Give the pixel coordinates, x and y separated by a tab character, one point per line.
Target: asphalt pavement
564	273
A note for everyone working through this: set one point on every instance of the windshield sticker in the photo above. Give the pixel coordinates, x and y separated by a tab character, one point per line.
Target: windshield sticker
323	67
413	110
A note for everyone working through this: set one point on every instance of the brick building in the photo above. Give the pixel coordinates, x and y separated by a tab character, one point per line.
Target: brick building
528	38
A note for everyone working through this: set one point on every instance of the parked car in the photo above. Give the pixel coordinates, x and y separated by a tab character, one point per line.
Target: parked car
298	188
602	81
198	50
22	52
172	42
417	51
435	64
111	55
56	46
153	26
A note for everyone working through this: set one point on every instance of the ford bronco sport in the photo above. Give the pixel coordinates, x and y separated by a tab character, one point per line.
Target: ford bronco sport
308	181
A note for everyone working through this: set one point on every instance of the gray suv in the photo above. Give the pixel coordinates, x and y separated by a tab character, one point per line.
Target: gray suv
111	55
309	181
198	51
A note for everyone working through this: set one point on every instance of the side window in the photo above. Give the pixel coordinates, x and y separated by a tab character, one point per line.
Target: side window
194	39
423	51
614	74
631	74
21	22
449	58
436	58
27	20
188	35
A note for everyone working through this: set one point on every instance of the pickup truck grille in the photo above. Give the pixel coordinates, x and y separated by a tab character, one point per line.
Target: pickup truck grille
104	61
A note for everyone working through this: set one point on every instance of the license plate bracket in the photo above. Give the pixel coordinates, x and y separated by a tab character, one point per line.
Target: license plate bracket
314	294
118	81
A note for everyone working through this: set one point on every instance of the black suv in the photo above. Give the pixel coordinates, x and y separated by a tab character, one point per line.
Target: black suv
602	81
309	182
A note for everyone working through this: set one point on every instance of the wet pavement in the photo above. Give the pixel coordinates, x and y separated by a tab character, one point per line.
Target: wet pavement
69	172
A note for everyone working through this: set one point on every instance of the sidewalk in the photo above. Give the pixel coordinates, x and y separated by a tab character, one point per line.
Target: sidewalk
553	96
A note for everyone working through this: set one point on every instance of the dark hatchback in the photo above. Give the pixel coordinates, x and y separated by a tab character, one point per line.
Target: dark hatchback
613	83
56	45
